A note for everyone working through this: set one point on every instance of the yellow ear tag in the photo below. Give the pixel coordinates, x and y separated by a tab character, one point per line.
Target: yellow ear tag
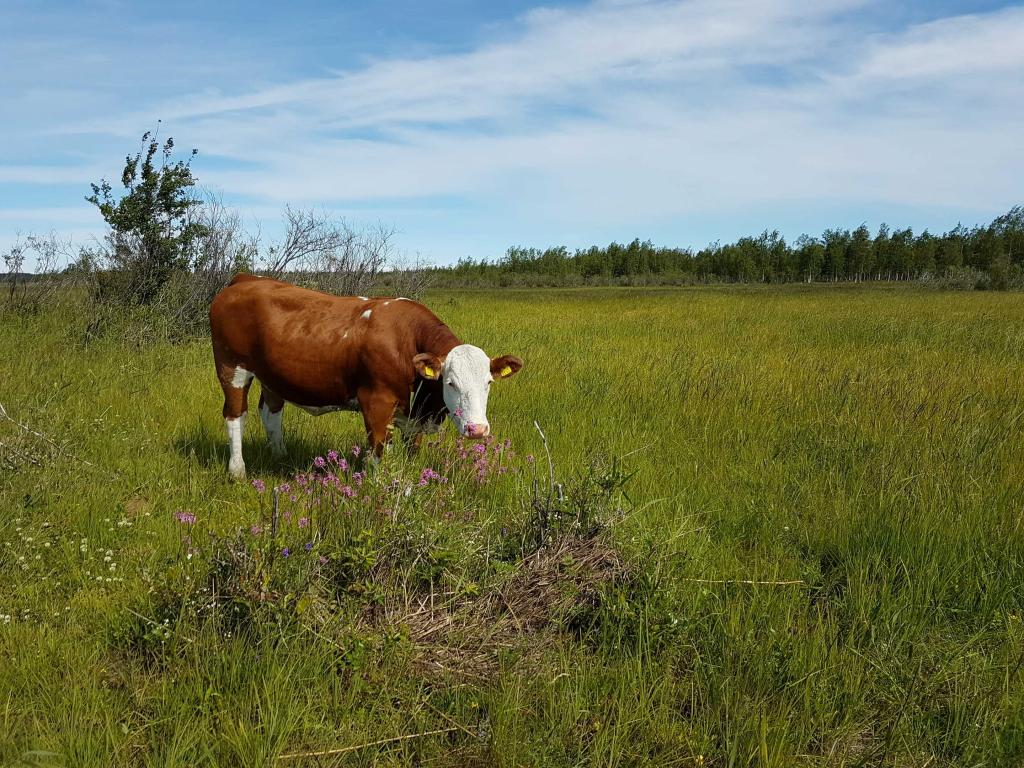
428	371
506	371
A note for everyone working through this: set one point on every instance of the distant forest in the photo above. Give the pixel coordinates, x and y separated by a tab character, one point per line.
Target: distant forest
984	257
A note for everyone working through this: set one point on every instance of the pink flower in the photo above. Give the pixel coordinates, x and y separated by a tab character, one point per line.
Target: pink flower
343	465
255	530
186	518
332	456
259	485
303	522
358	477
356	450
480	448
347	491
284	487
458	413
319	462
529	458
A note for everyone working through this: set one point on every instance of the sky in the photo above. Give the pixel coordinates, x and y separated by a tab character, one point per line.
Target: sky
470	127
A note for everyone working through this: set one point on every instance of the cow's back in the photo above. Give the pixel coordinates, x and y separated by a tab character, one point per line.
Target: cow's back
312	347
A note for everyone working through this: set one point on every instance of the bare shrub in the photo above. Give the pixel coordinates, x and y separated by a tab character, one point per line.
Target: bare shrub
29	292
328	254
222	250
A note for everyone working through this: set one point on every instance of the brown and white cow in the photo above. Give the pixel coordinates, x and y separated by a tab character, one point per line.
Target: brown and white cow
391	359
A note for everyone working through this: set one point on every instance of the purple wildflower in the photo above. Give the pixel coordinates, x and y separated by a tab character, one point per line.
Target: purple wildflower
308	546
347	491
285	552
332	456
429	474
458	413
186	518
356	450
358	477
342	465
480	448
319	462
322	559
255	530
259	485
303	522
284	487
529	458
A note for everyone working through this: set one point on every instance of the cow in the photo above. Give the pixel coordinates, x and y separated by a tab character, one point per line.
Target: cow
391	359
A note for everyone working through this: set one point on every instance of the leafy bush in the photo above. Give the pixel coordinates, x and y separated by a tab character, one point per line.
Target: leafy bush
153	228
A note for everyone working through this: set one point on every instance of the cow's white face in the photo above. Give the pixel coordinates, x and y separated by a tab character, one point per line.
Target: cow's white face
466	374
466	378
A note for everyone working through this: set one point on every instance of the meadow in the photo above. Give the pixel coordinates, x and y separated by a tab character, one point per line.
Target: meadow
784	530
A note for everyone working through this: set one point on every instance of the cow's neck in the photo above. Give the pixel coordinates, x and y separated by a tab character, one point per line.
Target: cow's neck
437	339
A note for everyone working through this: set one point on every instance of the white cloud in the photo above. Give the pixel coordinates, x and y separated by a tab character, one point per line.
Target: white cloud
963	45
49	174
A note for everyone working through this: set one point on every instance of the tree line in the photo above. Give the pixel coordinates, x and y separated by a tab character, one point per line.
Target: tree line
989	256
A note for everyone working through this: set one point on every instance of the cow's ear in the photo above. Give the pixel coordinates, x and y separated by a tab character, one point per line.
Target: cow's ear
504	366
427	365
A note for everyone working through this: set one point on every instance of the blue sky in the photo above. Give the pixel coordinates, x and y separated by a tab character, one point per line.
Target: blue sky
473	126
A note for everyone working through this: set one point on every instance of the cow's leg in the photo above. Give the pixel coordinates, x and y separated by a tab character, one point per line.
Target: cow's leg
378	410
235	381
271	413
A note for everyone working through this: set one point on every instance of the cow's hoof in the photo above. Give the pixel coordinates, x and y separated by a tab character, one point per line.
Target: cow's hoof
236	472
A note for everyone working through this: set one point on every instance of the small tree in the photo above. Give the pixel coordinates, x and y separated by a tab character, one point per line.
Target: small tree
153	233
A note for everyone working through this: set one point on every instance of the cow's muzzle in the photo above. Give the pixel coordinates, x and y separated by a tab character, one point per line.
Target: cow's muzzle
477	431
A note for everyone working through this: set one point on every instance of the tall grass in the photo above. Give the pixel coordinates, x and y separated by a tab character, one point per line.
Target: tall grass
821	528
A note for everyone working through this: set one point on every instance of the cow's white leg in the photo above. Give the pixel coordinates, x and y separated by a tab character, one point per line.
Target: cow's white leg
236	464
272	424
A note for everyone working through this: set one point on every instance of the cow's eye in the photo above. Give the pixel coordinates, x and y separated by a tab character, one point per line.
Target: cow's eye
452	385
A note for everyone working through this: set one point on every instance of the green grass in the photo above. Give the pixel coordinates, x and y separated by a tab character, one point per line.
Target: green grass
866	443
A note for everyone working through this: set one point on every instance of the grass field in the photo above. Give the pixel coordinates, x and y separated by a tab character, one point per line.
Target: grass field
857	451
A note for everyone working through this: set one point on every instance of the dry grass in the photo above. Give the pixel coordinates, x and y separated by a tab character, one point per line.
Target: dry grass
465	635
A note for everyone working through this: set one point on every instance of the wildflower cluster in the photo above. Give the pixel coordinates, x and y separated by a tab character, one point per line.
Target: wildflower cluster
326	528
41	551
485	458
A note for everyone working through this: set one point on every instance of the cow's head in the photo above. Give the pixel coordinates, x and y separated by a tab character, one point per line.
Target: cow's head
466	374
